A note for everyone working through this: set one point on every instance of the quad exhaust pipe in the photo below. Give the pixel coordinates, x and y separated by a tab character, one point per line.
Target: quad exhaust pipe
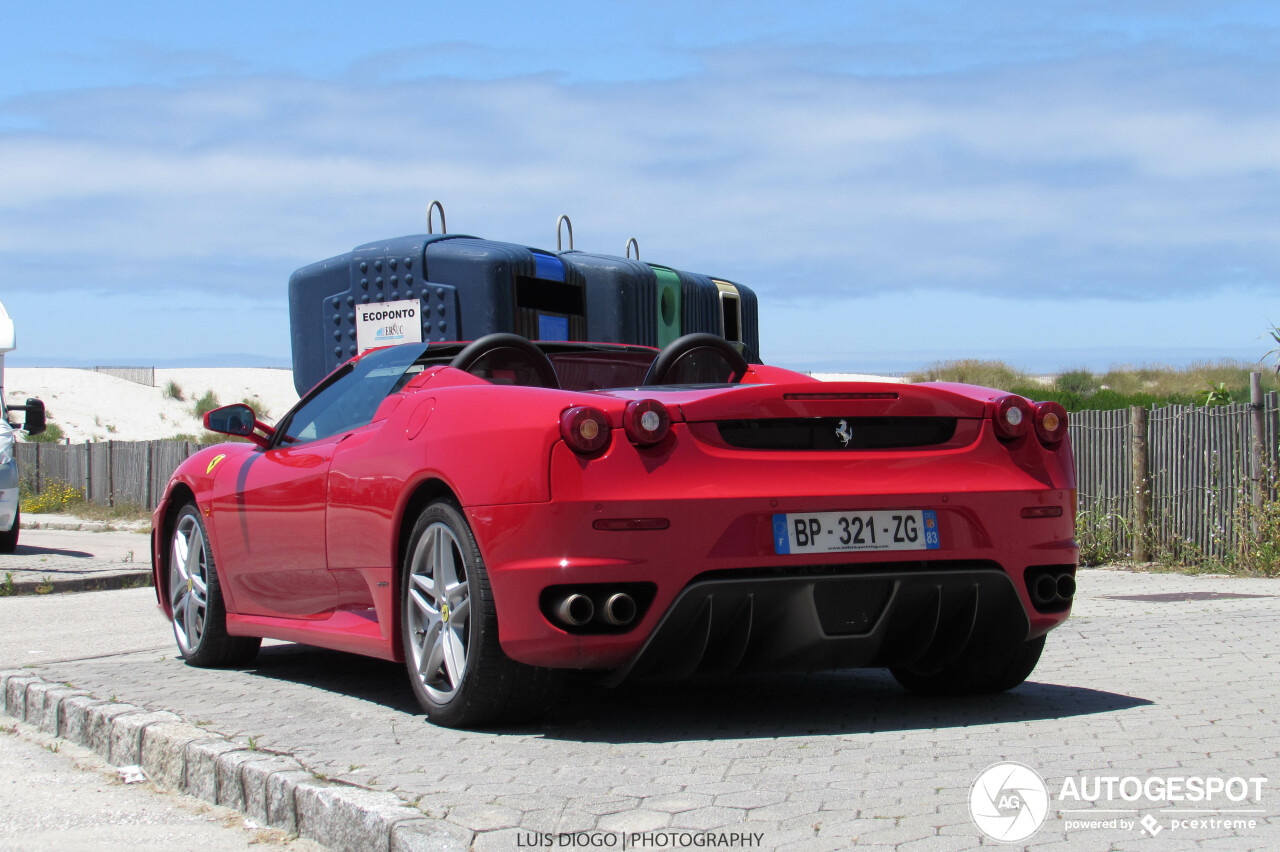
1051	590
575	609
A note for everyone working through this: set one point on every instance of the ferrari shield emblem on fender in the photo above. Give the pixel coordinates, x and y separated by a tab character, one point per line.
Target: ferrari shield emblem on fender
220	456
844	433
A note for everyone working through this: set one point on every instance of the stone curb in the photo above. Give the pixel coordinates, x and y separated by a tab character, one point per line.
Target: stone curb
80	526
272	789
104	582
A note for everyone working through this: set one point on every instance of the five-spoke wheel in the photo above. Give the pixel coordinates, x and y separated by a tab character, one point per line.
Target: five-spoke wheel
188	582
449	630
438	612
195	599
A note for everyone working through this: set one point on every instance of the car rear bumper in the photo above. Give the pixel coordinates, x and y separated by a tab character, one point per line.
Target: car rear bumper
819	621
723	599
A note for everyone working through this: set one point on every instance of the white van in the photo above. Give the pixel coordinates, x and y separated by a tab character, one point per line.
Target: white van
10	515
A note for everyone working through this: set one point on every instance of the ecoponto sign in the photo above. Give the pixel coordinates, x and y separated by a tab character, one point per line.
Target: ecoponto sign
388	323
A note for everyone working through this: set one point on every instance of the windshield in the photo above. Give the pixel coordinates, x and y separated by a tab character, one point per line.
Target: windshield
351	397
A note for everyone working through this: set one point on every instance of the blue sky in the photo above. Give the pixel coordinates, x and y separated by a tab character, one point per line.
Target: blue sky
1055	184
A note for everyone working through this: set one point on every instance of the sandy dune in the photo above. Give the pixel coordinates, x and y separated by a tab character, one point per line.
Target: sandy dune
91	406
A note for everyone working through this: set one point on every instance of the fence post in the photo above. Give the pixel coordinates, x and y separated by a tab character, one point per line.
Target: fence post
1141	483
146	477
111	473
1257	459
88	471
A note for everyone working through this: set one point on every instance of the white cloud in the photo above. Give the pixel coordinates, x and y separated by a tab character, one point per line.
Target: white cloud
1115	178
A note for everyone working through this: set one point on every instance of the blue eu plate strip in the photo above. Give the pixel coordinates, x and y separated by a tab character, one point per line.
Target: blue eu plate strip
781	541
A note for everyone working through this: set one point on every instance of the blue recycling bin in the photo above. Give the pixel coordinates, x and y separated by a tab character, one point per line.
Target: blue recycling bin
427	287
436	287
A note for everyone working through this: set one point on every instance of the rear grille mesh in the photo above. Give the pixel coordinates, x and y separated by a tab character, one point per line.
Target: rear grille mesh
837	433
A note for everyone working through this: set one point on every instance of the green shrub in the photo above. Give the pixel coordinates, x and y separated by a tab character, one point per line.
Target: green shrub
52	434
1079	382
1218	395
173	390
206	403
259	410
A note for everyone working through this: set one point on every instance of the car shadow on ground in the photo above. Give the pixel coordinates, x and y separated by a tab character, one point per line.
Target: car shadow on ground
750	706
843	702
28	550
369	679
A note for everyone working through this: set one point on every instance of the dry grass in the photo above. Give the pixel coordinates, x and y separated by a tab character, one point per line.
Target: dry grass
1195	378
1157	381
969	371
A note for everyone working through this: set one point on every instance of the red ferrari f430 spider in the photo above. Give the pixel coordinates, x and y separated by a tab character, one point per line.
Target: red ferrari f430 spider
495	513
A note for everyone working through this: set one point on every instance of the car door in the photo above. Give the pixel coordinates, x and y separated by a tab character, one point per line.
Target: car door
270	521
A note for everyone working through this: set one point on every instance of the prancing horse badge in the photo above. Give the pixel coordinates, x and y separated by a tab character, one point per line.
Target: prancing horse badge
843	433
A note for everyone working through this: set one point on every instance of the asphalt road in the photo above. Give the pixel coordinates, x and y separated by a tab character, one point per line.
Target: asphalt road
1156	678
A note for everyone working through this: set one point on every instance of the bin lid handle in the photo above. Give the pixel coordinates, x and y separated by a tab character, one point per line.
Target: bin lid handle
565	220
632	242
436	205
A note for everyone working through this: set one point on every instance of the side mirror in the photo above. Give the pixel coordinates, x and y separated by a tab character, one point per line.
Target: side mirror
34	423
239	420
234	420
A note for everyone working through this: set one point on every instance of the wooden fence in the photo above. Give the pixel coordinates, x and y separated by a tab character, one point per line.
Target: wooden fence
1195	462
108	472
140	375
1199	467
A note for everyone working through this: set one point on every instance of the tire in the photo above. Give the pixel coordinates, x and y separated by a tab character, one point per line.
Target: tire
981	669
9	540
195	598
449	629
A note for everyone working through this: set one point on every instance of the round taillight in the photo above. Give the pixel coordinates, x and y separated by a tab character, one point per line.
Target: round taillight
1012	417
585	429
1051	423
646	421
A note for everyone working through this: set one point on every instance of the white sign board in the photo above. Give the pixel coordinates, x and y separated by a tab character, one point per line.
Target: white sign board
388	323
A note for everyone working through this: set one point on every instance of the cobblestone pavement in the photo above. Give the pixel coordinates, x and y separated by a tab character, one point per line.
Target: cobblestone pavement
1154	676
54	557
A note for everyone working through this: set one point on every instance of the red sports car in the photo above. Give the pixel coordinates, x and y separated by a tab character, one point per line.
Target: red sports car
496	512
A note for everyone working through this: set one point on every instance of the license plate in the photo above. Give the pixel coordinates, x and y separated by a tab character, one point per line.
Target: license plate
837	532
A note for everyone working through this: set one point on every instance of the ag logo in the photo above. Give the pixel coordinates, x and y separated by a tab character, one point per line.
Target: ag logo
1009	802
